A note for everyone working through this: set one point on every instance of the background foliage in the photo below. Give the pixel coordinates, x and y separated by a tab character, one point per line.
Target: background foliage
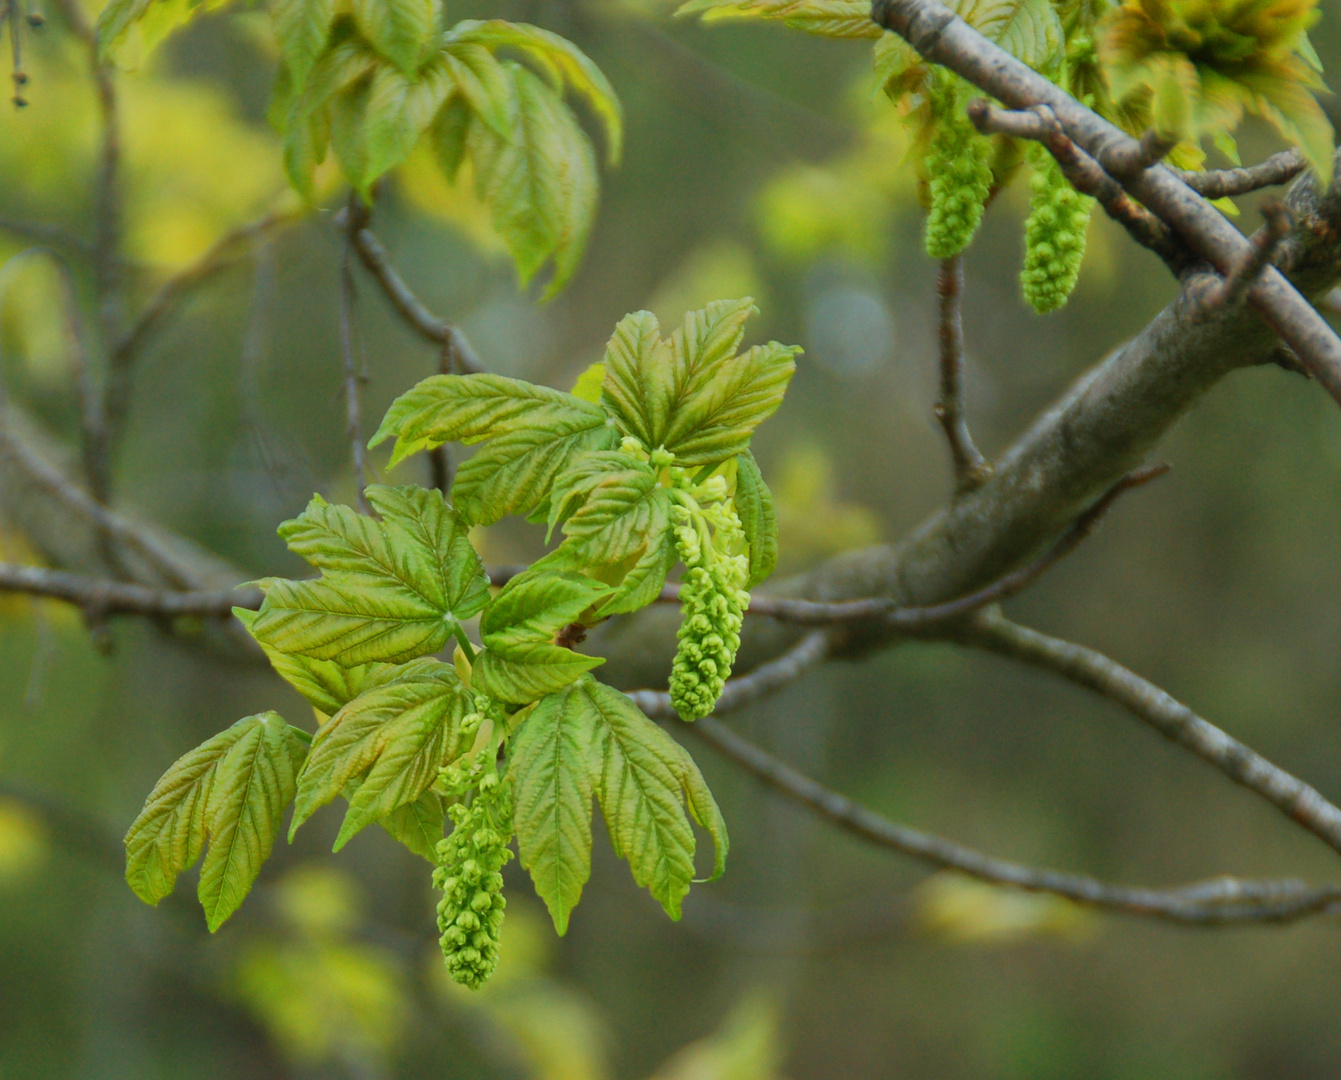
756	162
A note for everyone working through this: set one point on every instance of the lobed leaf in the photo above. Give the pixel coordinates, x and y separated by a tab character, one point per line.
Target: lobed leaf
390	591
829	18
621	532
232	789
470	408
400	30
253	783
540	183
553	787
301	28
754	506
694	395
561	61
392	739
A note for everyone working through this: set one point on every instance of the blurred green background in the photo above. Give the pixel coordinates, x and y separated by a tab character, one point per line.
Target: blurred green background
758	162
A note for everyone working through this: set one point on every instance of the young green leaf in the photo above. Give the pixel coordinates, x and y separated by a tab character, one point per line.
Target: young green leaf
301	28
722	397
638	389
561	61
621	533
551	764
169	833
537	433
484	82
253	783
390	591
541	183
151	20
392	739
829	18
399	109
754	505
643	782
522	663
326	684
418	825
694	395
401	30
514	472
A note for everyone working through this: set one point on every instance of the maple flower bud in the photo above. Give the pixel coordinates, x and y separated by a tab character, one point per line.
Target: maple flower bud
1054	235
713	602
470	913
959	171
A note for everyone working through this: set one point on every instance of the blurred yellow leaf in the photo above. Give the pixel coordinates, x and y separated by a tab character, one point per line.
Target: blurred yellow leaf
745	1047
967	911
23	841
319	900
720	268
812	521
455	204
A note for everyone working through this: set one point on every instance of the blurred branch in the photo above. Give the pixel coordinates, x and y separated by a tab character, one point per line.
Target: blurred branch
761	682
97	597
1086	667
1084	174
944	38
1230	183
378	263
969	465
818	613
171	293
1218	902
78	502
41	233
356	217
1262	246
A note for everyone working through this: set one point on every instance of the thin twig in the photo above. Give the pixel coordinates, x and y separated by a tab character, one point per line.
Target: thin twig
1230	183
819	613
1218	902
764	680
39	471
969	464
102	596
42	233
179	285
348	298
1127	160
440	463
1084	174
943	38
1086	667
376	261
1262	246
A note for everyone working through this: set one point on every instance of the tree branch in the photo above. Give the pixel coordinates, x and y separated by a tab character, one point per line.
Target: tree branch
1172	719
357	215
1219	902
1262	246
1230	183
969	465
944	38
815	613
741	691
376	261
101	596
1085	175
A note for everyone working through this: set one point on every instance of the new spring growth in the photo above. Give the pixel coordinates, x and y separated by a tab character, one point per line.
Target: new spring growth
959	170
1054	235
471	859
712	599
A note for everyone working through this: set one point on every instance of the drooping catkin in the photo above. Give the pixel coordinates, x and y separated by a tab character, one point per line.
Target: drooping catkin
959	171
469	874
1054	234
713	600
